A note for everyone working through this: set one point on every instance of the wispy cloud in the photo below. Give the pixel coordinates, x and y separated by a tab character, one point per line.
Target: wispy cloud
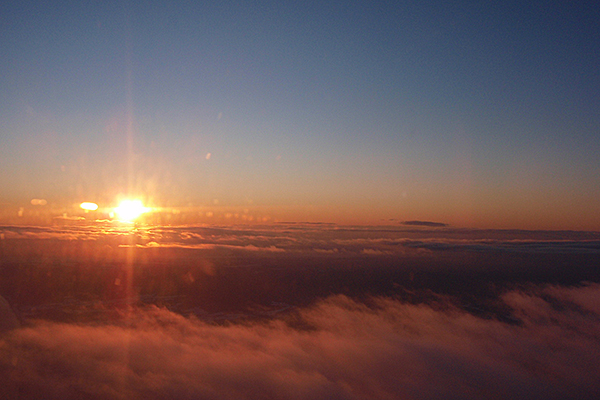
322	239
203	246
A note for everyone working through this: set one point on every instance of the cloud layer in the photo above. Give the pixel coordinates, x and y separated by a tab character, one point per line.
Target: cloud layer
338	348
415	238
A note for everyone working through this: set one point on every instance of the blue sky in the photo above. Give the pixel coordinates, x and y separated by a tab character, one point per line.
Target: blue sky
354	112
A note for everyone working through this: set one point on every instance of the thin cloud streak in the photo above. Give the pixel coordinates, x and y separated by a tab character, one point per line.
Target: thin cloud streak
429	224
203	246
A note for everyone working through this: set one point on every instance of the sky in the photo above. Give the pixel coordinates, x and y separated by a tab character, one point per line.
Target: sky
468	114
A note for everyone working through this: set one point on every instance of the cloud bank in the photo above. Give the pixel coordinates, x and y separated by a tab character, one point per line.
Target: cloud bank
338	348
425	237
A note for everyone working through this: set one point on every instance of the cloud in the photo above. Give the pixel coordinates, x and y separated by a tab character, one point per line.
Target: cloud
429	224
338	348
204	246
303	239
509	246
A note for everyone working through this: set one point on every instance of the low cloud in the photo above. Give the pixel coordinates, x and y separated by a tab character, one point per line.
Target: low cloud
321	239
337	349
204	246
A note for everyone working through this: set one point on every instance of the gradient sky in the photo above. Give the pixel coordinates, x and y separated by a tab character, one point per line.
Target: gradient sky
477	115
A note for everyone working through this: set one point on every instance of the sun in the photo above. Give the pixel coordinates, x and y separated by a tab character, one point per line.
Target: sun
130	210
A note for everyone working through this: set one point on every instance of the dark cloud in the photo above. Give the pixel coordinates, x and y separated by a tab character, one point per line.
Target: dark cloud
429	224
337	349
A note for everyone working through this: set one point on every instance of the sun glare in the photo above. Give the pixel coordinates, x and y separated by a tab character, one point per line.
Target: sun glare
86	205
130	210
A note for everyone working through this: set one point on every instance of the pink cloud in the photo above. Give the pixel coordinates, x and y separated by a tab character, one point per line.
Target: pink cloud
337	349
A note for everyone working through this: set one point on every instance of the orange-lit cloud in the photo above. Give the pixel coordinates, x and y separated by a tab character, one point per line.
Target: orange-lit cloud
300	239
337	349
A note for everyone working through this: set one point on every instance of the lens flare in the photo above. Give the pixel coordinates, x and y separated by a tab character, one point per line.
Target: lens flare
86	205
130	210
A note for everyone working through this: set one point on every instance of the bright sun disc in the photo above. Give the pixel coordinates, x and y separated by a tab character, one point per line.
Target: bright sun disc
129	210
